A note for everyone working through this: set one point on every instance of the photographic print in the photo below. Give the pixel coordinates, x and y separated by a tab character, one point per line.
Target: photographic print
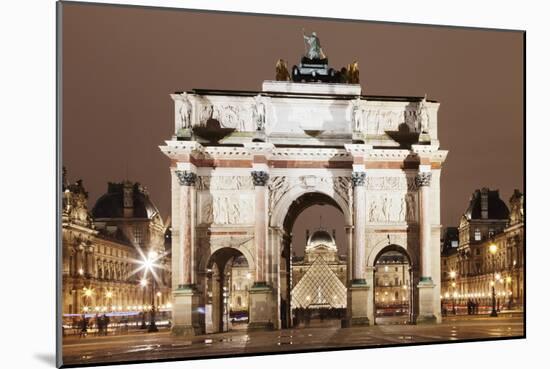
238	184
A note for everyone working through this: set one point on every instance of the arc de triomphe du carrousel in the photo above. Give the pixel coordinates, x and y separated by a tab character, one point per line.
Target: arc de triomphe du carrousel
244	164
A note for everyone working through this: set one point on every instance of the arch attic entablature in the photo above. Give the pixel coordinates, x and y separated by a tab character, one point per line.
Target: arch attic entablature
290	113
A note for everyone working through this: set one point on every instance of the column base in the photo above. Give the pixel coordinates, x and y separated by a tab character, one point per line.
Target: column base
358	137
358	306
260	307
184	134
259	136
185	315
426	313
424	138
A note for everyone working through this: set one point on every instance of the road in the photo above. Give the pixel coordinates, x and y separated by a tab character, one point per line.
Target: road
156	346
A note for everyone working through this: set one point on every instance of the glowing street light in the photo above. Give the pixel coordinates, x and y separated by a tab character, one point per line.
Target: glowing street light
493	250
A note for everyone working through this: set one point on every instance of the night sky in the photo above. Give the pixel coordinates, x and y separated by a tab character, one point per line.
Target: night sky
121	63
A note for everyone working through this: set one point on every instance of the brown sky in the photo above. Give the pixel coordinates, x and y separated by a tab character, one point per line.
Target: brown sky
121	63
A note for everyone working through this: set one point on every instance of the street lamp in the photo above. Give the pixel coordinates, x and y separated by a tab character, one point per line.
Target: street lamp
509	285
493	250
149	264
453	284
143	283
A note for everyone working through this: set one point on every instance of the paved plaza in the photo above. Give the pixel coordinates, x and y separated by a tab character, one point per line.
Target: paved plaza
162	345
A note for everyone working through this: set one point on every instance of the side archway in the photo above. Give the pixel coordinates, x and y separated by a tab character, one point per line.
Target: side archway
394	280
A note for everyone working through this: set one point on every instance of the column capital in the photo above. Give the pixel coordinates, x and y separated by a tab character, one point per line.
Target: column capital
423	179
358	178
186	178
259	177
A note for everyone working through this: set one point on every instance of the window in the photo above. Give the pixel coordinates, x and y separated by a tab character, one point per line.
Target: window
477	234
491	232
396	269
138	236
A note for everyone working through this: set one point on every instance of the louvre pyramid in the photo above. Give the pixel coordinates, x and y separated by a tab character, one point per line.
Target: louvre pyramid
319	287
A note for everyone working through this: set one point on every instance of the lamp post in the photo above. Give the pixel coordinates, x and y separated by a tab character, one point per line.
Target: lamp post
149	263
509	285
453	284
493	250
143	284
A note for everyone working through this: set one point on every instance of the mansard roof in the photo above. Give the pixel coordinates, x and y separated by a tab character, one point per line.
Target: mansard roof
111	204
497	208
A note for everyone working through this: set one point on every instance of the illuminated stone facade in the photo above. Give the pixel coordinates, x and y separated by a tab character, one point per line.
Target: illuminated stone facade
469	269
392	280
101	250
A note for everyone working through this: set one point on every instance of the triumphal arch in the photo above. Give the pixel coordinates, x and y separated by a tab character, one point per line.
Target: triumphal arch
244	164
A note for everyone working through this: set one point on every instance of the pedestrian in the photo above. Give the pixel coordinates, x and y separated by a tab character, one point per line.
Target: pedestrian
83	326
105	324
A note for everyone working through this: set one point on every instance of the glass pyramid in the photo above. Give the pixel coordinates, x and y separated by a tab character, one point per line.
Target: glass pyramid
319	287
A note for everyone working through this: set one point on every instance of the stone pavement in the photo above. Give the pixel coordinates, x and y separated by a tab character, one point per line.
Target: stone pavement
158	346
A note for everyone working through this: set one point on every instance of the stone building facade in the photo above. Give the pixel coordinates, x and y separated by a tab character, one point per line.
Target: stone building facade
469	270
100	253
243	166
392	280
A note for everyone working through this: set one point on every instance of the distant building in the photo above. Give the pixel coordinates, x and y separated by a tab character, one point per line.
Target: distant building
241	281
392	280
102	249
468	270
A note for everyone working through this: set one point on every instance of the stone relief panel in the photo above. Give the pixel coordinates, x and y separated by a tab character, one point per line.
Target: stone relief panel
391	208
226	208
206	183
391	199
374	120
245	114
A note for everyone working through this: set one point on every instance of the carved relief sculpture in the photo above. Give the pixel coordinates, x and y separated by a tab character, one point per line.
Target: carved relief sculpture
357	115
423	118
185	112
259	112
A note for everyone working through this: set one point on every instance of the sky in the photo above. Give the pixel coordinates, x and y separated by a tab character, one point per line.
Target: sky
121	63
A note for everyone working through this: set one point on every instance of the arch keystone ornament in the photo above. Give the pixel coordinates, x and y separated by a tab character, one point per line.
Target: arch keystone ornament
243	194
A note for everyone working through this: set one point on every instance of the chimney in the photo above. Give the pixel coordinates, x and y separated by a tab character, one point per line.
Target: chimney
484	203
128	199
334	235
307	235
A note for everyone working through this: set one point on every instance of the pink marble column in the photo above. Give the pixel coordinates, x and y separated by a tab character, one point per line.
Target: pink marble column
423	180
260	179
359	222
187	181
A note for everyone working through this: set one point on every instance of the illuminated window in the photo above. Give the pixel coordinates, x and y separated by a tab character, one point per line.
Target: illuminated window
138	236
477	234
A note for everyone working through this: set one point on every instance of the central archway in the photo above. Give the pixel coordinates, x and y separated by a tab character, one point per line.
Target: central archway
325	270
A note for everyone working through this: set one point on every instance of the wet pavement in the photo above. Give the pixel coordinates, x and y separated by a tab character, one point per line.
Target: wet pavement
156	346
